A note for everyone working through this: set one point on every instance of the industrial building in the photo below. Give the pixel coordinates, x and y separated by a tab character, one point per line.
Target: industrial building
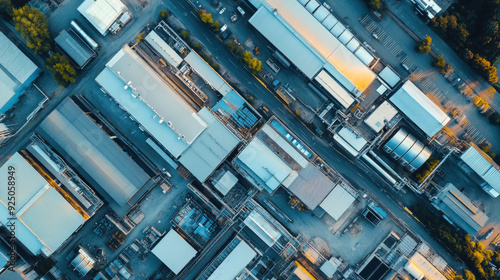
419	109
351	141
102	14
44	218
477	161
384	114
208	74
74	48
17	72
320	46
174	251
101	161
233	259
460	209
172	123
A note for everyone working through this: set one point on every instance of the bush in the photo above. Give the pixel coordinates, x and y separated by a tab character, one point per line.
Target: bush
426	169
250	98
163	14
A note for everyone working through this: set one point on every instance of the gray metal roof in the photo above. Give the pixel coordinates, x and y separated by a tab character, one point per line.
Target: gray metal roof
405	145
201	67
321	13
329	21
208	151
69	128
73	46
163	49
311	186
483	165
312	6
420	109
394	142
422	157
460	209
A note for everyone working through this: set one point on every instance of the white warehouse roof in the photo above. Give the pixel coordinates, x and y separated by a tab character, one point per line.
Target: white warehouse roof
337	202
385	112
44	218
153	103
208	73
292	18
163	49
15	69
262	228
335	89
174	251
234	263
101	13
350	141
484	166
420	109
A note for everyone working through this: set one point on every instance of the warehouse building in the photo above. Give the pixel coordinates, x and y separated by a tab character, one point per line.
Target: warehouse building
460	209
199	140
479	162
317	44
17	72
44	218
170	243
419	109
102	13
112	172
74	48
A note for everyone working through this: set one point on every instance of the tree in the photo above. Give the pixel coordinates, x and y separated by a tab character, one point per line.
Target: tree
439	62
468	275
32	25
185	35
246	56
197	47
140	37
376	5
163	14
206	18
425	45
6	7
215	26
231	45
239	49
64	73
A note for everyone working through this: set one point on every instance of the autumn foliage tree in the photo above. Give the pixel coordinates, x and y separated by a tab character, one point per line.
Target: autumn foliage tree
64	73
425	45
32	25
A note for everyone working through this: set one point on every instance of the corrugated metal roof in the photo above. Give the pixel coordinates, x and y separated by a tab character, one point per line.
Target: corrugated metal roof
226	182
287	42
335	89
160	97
353	45
420	109
364	56
337	202
312	6
460	209
426	267
389	76
116	173
318	39
262	228
163	49
208	73
303	2
311	186
210	148
337	29
234	263
174	251
346	36
101	13
74	47
483	165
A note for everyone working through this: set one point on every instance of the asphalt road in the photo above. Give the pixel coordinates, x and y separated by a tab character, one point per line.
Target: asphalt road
185	13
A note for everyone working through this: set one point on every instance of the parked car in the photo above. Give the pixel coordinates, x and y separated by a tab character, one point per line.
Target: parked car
223	28
489	233
222	10
225	34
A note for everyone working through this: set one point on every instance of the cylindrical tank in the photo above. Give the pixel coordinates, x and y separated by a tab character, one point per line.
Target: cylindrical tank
93	44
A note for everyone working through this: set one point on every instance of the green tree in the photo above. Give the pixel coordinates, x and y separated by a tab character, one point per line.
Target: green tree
215	26
6	7
32	25
206	18
231	45
185	35
197	47
64	73
239	49
163	14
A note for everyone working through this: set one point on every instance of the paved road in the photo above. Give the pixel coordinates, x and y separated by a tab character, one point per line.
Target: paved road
334	157
184	12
